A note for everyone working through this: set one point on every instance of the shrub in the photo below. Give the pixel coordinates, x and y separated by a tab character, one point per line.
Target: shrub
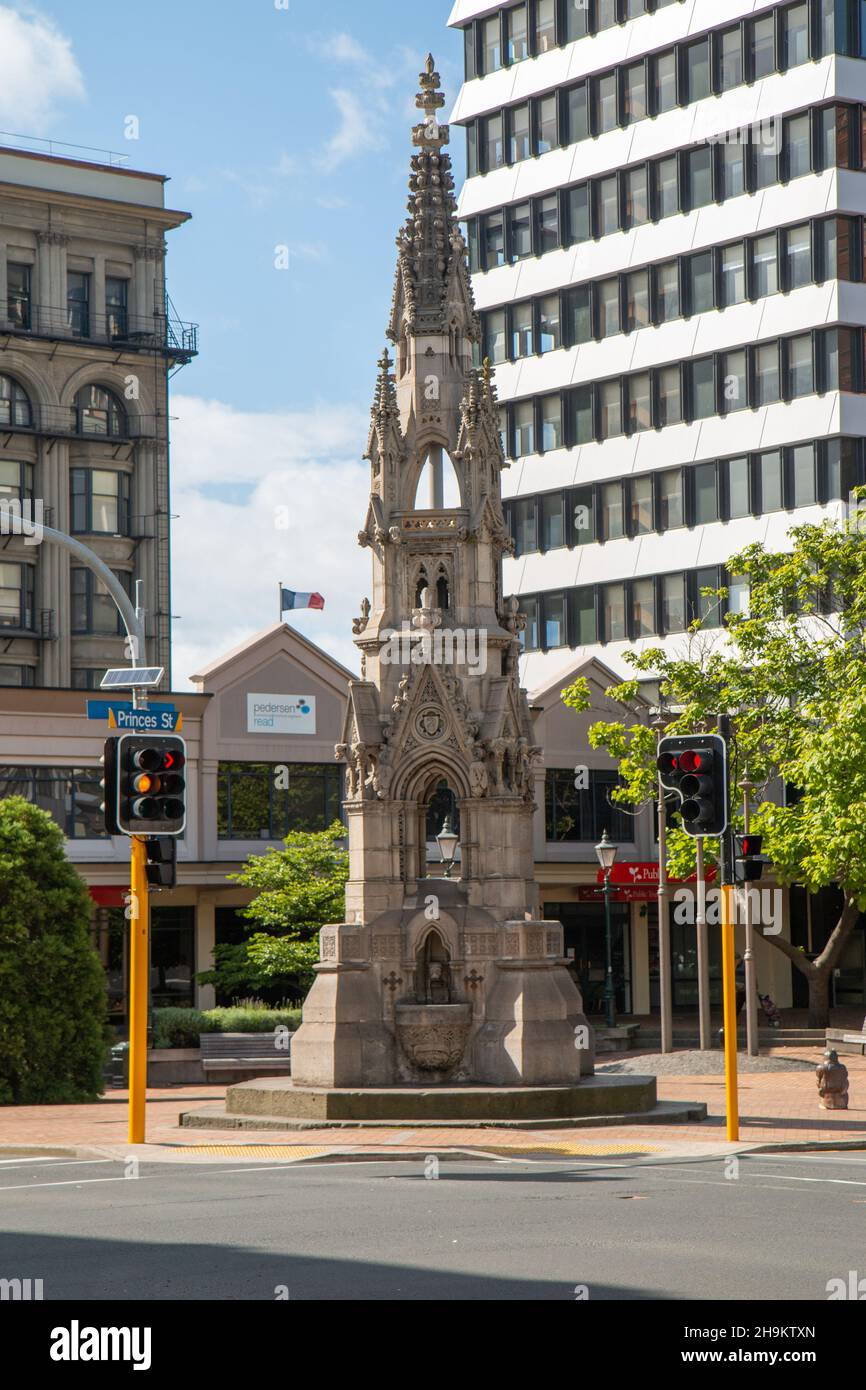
182	1027
53	1026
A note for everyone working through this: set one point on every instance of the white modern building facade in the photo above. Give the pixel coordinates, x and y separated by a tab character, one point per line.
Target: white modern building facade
664	210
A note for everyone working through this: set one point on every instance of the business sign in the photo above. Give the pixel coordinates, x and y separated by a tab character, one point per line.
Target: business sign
643	873
281	714
121	714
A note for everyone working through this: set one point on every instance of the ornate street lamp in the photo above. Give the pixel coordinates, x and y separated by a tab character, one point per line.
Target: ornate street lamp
606	853
448	841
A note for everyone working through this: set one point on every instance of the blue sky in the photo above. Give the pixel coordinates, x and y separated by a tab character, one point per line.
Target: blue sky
277	128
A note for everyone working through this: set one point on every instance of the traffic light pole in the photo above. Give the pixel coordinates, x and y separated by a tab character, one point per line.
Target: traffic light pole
138	988
729	985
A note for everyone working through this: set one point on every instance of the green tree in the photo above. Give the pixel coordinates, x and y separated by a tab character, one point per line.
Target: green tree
791	673
298	890
53	1029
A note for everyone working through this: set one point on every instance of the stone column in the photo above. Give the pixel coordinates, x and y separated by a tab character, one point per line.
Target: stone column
4	287
97	307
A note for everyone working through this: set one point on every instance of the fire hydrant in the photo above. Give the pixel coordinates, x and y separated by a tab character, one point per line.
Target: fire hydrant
832	1078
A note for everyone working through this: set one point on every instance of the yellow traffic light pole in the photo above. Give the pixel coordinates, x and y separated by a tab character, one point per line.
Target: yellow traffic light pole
730	1013
139	971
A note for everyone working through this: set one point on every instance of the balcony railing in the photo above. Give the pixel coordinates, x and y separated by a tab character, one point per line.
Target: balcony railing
68	421
116	328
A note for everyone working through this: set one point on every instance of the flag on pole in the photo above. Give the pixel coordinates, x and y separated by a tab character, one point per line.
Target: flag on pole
290	599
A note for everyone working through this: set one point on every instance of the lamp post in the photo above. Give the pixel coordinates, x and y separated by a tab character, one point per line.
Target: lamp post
447	841
606	853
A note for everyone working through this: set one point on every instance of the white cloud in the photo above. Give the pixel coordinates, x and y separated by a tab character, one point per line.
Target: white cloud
40	73
359	129
227	559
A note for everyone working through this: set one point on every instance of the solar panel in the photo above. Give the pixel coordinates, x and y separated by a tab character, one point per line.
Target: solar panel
131	677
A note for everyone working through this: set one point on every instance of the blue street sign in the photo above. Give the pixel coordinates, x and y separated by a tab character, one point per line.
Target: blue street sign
157	718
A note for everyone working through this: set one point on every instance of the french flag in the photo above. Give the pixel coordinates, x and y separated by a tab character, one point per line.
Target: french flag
289	599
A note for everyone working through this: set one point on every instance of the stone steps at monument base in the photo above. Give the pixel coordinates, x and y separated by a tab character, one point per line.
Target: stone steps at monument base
664	1112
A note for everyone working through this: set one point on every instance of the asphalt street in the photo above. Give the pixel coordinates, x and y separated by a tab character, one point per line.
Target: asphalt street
776	1227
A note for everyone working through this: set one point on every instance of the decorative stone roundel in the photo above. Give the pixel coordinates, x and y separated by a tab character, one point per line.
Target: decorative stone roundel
430	723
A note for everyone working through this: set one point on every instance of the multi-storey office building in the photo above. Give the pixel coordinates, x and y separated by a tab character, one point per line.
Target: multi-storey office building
664	210
87	341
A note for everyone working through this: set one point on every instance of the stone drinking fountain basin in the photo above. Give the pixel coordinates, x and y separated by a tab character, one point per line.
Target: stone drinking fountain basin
433	1036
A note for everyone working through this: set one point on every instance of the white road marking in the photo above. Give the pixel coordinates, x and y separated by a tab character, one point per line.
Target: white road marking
68	1182
9	1164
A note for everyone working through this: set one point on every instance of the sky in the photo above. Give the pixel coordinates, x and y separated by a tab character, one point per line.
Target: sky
281	124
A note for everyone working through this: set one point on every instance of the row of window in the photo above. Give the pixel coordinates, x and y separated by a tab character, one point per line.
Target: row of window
719	383
630	609
96	410
79	297
94	611
264	801
762	155
750	269
701	67
99	497
799	475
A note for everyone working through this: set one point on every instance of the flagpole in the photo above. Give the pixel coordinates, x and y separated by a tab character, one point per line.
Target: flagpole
280	597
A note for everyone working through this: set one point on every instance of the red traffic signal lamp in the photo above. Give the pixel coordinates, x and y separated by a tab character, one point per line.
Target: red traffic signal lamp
748	863
151	787
695	766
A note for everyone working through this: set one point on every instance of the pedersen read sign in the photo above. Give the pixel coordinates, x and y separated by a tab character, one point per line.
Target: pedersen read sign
281	714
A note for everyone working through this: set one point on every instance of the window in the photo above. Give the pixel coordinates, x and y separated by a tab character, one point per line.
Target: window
837	351
604	115
611	409
766	360
18	295
583	623
494	150
522	339
494	240
578	213
764	152
17	676
738	594
548	224
667	198
613	613
766	280
554	620
674	603
612	512
529	635
699	274
578	315
699	177
734	392
667	292
733	169
100	501
670	499
583	516
634	92
639	410
494	336
515	24
576	13
16	596
525	528
583	425
553	521
795	35
16	481
99	412
473	166
605	14
770	478
607	295
798	256
71	795
825	119
14	403
703	402
698	70
551	423
93	608
254	804
78	304
548	135
730	59
803	474
800	375
470	63
87	677
643	618
116	292
520	227
491	44
576	113
519	146
670	409
738	488
705	477
524	428
545	25
641	491
761	46
796	144
664	81
607	205
733	274
635	191
835	240
707	606
550	336
636	300
583	814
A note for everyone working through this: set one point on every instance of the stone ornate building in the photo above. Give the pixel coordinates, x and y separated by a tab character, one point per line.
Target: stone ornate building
431	978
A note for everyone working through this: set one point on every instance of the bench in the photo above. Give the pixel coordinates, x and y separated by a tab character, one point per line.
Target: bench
253	1054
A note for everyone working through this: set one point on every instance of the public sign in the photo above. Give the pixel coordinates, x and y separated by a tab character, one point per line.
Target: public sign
120	714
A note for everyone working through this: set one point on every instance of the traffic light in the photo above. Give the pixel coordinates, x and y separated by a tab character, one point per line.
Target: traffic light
151	788
161	866
748	864
696	767
108	784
